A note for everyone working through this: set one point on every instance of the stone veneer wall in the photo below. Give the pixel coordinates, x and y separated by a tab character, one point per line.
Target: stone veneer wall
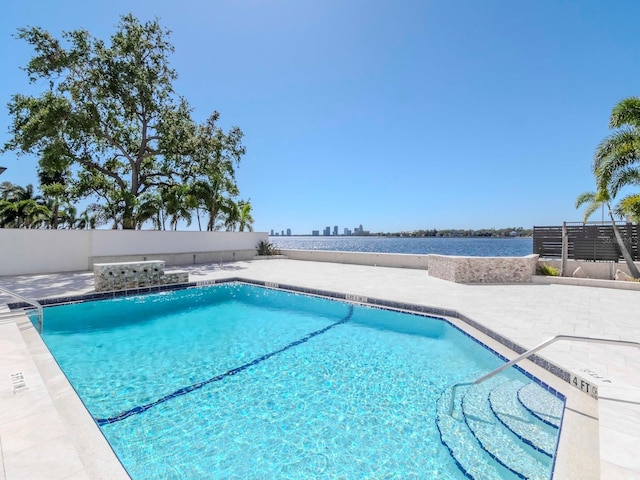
121	276
483	269
397	260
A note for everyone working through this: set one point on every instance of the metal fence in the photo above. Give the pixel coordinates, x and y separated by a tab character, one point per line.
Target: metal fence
586	241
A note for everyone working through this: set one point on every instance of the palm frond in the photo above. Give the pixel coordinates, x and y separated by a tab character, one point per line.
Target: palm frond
618	150
624	177
626	112
584	198
629	206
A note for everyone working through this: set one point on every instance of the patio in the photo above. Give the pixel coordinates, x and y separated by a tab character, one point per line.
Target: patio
527	314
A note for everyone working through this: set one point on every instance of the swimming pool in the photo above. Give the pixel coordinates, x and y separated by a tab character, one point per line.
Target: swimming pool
237	381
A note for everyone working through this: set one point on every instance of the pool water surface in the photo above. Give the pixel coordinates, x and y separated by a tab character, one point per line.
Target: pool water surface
238	381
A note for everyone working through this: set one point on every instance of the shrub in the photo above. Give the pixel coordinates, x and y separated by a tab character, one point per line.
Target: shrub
266	248
544	269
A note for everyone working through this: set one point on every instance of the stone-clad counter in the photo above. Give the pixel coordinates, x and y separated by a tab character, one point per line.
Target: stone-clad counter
123	275
483	269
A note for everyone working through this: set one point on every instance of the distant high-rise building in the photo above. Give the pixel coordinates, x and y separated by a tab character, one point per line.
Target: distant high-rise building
327	231
347	231
282	233
288	232
271	232
335	231
315	233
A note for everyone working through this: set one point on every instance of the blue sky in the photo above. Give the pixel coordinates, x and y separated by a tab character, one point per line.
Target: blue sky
394	115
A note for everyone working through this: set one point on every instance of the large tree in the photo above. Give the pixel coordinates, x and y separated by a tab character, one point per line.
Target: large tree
108	113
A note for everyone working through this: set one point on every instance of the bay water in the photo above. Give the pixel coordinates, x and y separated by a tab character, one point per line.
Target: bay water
474	247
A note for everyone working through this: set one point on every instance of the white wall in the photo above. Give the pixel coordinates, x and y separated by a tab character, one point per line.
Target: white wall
43	251
134	242
24	251
600	270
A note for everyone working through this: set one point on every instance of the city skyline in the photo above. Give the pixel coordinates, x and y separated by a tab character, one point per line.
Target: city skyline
326	232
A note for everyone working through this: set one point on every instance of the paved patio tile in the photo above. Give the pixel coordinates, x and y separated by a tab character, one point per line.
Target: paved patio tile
526	314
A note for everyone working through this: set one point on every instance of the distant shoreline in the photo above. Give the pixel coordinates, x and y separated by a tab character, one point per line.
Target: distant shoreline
307	235
469	246
517	232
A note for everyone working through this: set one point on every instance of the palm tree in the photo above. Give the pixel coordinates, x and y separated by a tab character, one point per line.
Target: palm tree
629	206
53	183
178	205
595	201
238	215
102	214
214	197
150	208
245	220
21	208
616	162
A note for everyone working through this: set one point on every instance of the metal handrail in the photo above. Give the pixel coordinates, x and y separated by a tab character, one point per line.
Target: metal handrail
31	302
528	353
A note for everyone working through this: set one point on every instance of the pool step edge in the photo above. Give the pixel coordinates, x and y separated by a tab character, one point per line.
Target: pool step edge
504	404
469	456
499	442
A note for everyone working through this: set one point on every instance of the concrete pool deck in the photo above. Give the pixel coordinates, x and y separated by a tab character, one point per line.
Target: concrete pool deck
43	436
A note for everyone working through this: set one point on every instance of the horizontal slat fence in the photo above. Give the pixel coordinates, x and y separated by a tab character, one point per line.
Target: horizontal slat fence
593	242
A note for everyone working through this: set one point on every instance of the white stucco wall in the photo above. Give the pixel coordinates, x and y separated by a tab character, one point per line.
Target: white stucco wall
599	270
133	242
43	251
25	251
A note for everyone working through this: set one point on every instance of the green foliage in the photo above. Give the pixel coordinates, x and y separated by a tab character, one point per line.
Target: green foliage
630	206
485	232
109	121
616	164
21	208
548	270
266	248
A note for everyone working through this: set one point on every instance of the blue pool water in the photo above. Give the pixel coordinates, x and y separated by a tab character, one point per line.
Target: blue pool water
237	381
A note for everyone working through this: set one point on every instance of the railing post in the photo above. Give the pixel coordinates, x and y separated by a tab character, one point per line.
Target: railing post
29	301
565	249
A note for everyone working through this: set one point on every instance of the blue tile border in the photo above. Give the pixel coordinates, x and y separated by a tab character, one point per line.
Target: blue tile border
432	312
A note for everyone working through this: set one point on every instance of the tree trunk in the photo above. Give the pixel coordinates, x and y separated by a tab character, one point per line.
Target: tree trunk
128	222
623	248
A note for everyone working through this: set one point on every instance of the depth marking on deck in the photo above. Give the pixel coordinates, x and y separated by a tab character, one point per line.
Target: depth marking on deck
18	383
356	298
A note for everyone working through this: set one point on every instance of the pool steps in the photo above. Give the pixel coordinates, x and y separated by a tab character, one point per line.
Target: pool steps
505	405
492	432
540	405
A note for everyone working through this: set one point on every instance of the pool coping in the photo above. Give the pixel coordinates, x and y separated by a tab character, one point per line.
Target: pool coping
502	347
403	306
